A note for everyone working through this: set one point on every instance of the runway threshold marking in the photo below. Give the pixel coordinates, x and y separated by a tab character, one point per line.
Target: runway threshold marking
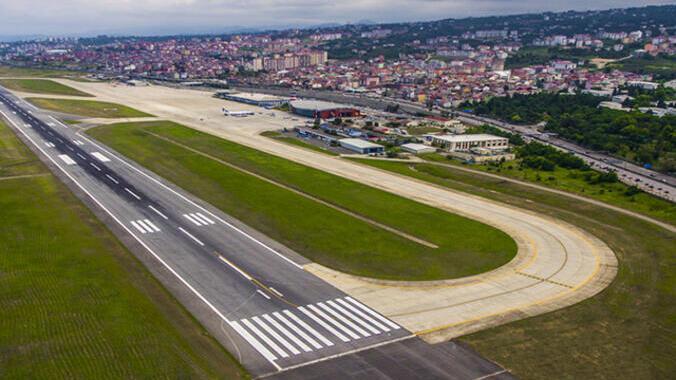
292	334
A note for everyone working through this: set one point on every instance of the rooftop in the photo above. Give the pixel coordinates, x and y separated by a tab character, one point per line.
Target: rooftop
466	138
359	143
254	96
316	105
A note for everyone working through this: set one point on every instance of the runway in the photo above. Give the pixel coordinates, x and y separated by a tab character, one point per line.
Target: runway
275	315
557	264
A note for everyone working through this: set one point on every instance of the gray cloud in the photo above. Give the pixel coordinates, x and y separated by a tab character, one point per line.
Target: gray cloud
78	17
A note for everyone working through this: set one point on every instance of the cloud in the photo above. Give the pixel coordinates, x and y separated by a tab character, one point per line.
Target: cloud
68	17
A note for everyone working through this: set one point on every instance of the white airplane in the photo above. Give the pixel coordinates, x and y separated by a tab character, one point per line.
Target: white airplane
237	113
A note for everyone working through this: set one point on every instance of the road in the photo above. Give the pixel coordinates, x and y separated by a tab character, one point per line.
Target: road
271	313
650	181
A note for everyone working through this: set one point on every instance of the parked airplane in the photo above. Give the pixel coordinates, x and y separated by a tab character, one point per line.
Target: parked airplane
237	113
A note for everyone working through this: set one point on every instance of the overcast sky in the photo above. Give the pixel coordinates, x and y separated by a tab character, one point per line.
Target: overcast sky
90	17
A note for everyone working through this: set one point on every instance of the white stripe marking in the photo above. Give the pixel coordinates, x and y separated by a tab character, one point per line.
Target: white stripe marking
265	339
95	167
67	159
144	225
324	324
132	194
100	157
157	211
361	314
143	231
112	179
297	330
197	218
373	313
192	237
344	320
253	341
81	156
308	328
353	317
205	218
195	221
278	337
262	294
153	226
286	332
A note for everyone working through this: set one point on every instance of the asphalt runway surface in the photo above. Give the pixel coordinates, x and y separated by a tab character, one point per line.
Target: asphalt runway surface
276	317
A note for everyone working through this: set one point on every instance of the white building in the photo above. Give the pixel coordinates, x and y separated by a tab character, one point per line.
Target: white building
361	146
417	148
643	84
465	143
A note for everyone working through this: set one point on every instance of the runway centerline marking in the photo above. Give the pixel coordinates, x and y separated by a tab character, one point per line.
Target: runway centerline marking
191	236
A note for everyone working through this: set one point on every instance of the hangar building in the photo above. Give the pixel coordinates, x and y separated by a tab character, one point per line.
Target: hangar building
323	110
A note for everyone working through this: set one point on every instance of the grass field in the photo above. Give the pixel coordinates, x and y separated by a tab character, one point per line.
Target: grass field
90	108
41	86
571	181
294	141
319	232
76	304
626	332
9	71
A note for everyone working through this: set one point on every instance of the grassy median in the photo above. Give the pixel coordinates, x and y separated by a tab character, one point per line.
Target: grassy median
41	86
75	303
627	331
89	108
321	233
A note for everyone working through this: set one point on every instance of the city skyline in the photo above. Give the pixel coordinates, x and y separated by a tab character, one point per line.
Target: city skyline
43	18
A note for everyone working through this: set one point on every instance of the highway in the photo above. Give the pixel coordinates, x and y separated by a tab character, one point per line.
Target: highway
274	316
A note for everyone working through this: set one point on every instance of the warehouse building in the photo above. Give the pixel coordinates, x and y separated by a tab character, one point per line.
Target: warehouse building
466	143
323	110
361	146
256	99
417	148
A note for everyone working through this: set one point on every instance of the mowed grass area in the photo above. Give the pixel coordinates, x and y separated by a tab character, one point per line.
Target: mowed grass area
294	141
10	71
568	180
319	232
41	86
77	305
90	108
626	332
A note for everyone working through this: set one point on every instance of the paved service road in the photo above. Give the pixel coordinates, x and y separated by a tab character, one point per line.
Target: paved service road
275	315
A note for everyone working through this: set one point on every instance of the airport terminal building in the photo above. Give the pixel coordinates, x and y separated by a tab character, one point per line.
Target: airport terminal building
322	110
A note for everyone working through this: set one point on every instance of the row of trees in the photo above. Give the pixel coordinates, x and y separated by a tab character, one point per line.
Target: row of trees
643	138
